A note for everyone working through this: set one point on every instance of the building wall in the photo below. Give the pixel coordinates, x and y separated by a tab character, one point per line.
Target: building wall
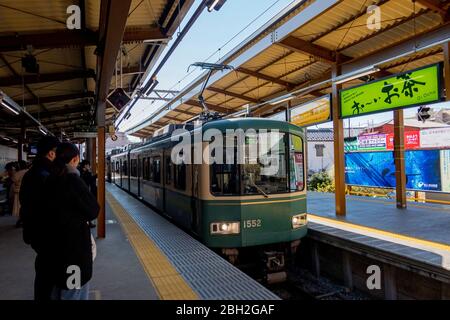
316	163
7	154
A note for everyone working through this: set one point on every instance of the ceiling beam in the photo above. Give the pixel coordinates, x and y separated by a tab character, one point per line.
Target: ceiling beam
189	113
49	99
62	120
232	94
382	30
73	38
172	118
260	75
434	5
62	111
308	48
209	106
46	77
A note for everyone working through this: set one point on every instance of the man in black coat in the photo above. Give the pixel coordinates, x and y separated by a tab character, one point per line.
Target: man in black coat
89	179
36	224
70	206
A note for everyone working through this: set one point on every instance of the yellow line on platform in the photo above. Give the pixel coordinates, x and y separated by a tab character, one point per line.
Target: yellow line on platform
337	223
169	284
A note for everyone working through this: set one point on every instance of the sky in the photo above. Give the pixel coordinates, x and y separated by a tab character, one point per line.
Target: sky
211	31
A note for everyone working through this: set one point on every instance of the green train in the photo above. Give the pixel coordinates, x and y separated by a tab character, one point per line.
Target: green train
229	207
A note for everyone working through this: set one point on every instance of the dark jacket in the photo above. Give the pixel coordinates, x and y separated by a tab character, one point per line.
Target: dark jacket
90	180
31	201
70	206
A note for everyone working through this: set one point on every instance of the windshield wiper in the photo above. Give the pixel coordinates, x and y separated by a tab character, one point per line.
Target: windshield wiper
257	188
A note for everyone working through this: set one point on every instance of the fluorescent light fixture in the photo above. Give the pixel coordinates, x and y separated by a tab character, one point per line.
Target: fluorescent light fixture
213	5
10	108
355	74
43	131
164	40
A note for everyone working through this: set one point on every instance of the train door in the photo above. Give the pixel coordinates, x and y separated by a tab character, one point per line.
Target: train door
139	172
121	171
165	168
195	202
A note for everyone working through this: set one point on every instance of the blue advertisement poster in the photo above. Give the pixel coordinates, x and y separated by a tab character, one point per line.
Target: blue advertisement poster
377	169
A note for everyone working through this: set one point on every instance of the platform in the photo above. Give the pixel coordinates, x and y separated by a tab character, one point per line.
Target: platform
178	265
419	233
144	256
118	274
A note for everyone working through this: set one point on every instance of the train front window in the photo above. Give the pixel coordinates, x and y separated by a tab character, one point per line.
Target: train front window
277	168
268	175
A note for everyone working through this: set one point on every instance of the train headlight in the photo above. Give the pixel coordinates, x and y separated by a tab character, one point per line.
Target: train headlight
225	227
299	220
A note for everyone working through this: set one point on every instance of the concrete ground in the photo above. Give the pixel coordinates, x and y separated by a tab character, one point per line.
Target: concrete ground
118	274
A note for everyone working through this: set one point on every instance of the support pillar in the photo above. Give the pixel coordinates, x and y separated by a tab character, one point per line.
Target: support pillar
93	158
446	48
399	156
338	133
101	227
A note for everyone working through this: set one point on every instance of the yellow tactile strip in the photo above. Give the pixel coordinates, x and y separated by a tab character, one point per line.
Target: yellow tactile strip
432	244
169	284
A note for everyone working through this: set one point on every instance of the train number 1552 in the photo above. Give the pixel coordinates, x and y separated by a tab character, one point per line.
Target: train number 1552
255	223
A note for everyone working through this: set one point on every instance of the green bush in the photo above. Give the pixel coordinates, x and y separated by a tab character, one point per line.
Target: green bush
321	182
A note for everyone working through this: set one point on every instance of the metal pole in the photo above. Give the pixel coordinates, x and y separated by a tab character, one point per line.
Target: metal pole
21	139
399	155
101	226
338	132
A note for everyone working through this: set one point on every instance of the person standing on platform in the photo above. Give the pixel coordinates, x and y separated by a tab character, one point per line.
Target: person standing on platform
10	169
90	180
22	168
35	220
70	206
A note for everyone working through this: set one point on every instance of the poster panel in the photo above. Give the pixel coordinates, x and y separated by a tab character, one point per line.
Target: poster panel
377	169
412	140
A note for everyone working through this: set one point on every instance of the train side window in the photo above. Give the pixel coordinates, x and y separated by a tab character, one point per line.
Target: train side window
296	164
125	168
157	169
179	176
168	169
144	169
150	168
133	168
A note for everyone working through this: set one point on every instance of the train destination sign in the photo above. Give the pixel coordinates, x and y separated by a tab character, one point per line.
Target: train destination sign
313	112
411	88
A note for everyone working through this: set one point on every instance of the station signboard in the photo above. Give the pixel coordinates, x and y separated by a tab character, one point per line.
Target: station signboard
407	89
85	134
312	113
